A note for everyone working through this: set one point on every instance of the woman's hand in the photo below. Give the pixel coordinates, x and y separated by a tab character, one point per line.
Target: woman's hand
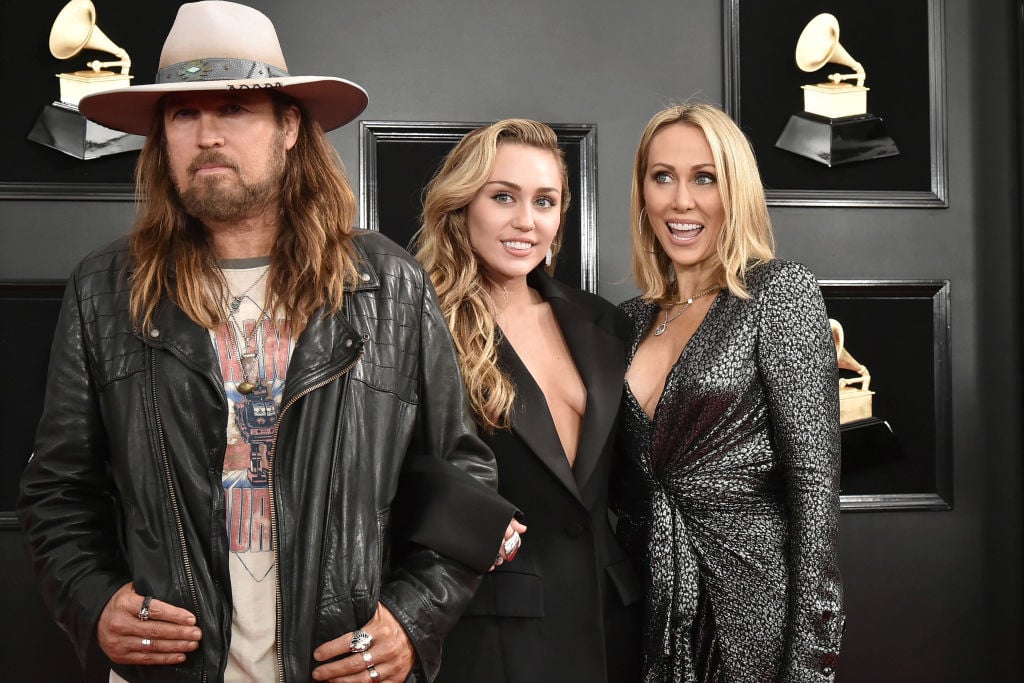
510	544
134	629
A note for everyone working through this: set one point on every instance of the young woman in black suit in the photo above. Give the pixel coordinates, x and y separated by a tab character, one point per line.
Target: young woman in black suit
544	364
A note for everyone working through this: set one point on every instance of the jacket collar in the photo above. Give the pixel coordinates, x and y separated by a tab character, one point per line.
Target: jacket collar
326	346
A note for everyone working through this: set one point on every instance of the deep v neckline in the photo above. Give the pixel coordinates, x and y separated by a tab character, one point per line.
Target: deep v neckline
651	419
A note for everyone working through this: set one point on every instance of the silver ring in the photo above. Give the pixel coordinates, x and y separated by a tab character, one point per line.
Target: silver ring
512	543
361	641
144	610
146	642
368	658
374	674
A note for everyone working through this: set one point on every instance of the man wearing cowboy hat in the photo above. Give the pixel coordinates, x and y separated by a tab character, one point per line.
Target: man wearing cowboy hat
247	361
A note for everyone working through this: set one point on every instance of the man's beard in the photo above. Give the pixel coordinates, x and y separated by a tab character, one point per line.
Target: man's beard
232	198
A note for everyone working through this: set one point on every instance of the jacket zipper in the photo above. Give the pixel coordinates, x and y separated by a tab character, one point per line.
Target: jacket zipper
278	607
189	576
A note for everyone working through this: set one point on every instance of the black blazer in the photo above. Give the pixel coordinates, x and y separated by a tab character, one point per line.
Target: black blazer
567	608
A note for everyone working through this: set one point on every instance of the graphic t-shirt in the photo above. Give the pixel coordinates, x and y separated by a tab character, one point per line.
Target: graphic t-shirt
253	353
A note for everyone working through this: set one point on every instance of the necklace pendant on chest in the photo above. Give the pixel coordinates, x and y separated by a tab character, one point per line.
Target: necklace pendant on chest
245	387
236	303
660	329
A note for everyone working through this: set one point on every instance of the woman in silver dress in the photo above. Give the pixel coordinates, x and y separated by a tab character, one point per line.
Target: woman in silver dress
730	421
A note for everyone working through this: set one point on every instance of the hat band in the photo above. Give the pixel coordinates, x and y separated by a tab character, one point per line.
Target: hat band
218	69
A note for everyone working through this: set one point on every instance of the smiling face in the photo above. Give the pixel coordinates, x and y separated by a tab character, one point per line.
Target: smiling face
516	214
684	206
226	151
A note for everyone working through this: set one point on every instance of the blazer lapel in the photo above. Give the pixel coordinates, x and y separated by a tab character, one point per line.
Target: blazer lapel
531	420
600	359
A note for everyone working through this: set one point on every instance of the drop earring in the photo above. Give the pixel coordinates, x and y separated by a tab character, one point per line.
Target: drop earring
548	257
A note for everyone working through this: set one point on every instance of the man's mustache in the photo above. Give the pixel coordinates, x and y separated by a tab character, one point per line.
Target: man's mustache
210	158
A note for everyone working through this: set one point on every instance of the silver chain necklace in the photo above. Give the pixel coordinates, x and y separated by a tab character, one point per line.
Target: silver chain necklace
660	329
236	300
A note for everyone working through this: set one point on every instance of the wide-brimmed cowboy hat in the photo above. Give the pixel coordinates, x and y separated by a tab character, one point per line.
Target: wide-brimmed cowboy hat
217	45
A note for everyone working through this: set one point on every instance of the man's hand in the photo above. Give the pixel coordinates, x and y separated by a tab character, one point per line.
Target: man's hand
163	637
390	656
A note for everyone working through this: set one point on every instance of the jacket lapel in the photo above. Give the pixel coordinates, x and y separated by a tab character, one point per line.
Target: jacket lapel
600	359
532	422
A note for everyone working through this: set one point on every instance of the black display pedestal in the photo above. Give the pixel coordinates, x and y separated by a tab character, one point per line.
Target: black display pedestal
837	141
63	128
867	443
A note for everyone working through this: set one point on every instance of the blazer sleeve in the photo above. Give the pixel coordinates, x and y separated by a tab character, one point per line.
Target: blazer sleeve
798	363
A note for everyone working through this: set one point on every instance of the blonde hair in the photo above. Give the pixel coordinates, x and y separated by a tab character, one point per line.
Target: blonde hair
746	237
312	259
442	245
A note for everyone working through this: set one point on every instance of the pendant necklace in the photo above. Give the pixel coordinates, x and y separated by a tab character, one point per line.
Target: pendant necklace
248	361
660	329
236	301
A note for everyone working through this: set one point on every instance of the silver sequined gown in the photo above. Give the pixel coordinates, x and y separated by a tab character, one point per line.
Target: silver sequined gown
731	494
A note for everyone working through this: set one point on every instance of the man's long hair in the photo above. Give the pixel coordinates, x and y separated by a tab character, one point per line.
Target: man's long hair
312	259
443	247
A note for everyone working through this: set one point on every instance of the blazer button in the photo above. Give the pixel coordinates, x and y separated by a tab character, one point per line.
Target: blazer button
574	529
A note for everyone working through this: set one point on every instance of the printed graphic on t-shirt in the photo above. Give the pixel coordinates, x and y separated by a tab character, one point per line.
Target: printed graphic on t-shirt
252	420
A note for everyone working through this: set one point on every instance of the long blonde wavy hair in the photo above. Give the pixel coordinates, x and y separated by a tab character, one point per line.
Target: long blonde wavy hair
312	259
746	237
443	247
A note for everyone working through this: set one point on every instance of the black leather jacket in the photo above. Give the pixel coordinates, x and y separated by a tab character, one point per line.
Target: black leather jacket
125	483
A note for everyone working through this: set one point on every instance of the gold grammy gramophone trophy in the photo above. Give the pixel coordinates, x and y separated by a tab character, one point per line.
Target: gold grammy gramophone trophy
835	126
854	392
60	125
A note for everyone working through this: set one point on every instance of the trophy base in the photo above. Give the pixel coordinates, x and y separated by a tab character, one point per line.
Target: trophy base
854	404
837	141
867	443
63	128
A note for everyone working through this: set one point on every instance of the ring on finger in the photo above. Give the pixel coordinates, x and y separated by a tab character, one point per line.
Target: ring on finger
368	658
144	610
361	641
146	642
374	674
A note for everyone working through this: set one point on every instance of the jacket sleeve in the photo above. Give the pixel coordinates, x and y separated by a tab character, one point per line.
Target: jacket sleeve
67	505
427	590
798	362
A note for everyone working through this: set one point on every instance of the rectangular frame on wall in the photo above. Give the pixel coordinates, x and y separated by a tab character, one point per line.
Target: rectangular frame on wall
901	458
30	170
901	46
398	158
29	310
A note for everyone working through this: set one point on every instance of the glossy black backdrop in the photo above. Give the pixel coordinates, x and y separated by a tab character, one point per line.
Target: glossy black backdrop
138	27
29	312
891	329
889	38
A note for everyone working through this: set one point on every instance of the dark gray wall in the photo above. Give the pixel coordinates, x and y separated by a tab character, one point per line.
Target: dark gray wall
931	596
